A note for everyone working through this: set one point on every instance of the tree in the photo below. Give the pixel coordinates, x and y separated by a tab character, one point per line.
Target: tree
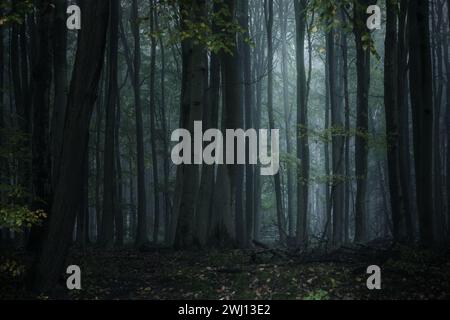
141	237
363	52
109	173
41	85
81	100
302	126
269	17
60	83
193	102
420	76
392	110
337	190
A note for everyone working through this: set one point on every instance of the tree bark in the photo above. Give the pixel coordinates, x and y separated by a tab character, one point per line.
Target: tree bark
249	110
193	102
154	138
60	84
82	95
422	109
392	111
269	17
41	86
142	223
362	117
302	127
109	173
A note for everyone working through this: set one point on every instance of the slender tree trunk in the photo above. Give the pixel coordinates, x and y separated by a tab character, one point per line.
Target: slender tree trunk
259	72
109	173
41	86
249	110
269	17
302	127
328	206
283	14
3	164
347	137
142	223
404	149
81	100
154	138
165	142
60	83
118	202
438	76
337	190
362	117
98	164
447	63
422	110
392	110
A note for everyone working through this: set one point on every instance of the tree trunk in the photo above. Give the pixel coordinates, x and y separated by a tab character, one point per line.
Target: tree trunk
362	117
447	63
118	201
337	187
347	136
41	86
81	100
392	111
404	139
142	223
210	120
302	127
422	110
60	84
193	101
283	14
109	173
154	138
166	152
269	17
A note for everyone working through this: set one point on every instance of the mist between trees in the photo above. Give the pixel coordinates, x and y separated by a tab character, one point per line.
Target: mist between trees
86	120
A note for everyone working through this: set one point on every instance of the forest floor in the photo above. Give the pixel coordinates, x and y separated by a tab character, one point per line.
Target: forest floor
158	273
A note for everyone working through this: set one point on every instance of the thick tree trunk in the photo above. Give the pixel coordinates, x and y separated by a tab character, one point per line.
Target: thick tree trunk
82	95
194	97
204	207
422	110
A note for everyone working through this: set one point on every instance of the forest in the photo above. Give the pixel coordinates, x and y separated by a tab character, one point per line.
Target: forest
350	100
